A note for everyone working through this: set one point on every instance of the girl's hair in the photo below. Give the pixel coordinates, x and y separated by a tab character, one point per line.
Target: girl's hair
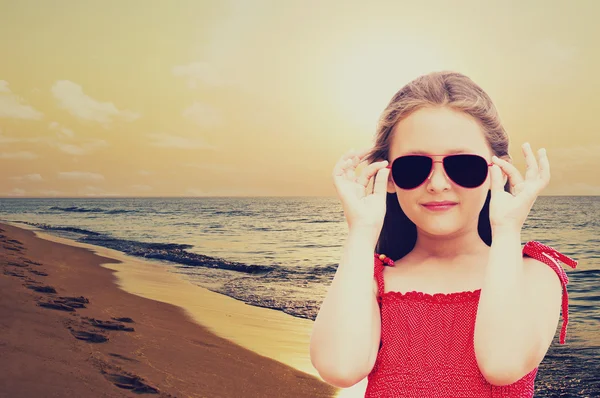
438	89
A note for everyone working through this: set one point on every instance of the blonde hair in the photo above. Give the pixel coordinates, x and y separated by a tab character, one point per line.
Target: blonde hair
438	89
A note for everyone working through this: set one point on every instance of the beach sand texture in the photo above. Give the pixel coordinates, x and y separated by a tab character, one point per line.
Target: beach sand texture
70	331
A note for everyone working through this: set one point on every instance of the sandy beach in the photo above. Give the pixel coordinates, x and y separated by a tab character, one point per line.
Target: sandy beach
71	327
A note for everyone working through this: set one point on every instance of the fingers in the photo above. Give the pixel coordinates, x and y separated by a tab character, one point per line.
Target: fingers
536	176
544	166
514	176
341	167
532	167
381	180
350	158
361	153
497	181
370	171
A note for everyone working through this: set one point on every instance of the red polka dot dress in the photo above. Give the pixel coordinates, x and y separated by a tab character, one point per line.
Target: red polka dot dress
427	348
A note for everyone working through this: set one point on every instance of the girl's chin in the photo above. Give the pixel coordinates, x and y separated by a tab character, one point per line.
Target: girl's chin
440	228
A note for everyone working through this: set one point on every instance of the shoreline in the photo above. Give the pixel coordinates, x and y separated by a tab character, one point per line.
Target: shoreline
223	315
273	342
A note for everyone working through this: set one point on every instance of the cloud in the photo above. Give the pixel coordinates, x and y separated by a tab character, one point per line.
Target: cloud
144	188
95	191
8	140
219	168
581	188
78	149
50	193
16	192
12	106
11	140
570	169
203	115
28	177
173	141
551	62
62	131
22	155
199	72
82	149
80	175
228	192
71	97
196	192
144	172
575	156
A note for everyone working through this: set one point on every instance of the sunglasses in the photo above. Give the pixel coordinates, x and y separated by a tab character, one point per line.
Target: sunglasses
466	170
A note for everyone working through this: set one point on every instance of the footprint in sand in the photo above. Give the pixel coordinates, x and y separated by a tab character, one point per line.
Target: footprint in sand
91	337
123	379
17	264
84	332
41	289
123	357
65	303
14	242
108	325
124	319
131	382
14	273
77	302
12	247
85	329
40	273
56	306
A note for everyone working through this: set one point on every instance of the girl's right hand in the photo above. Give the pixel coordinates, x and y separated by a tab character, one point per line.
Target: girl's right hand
362	209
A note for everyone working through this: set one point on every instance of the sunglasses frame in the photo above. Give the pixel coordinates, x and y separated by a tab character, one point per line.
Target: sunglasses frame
389	166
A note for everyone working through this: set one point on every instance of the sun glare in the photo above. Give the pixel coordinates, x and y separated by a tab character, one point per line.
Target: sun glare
365	76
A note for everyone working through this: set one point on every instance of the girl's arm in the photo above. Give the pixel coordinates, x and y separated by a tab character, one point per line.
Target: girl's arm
519	309
346	333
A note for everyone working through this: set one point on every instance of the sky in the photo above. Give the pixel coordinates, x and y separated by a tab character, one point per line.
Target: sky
261	98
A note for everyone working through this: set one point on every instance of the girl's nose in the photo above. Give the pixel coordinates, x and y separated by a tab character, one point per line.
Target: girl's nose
438	180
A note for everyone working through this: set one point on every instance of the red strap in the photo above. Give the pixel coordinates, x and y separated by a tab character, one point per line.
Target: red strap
551	256
381	260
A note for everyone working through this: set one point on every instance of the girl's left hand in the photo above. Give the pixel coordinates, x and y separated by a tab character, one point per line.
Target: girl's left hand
511	209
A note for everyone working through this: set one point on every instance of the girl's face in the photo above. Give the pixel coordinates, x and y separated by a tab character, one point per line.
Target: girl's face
440	131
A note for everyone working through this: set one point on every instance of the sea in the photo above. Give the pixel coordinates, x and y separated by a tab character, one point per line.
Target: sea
282	253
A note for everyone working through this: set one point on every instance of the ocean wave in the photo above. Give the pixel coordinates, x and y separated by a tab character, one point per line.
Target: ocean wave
59	228
309	220
233	213
173	252
77	209
585	273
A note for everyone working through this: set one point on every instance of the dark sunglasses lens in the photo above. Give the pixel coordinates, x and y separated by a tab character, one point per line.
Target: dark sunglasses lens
411	171
469	171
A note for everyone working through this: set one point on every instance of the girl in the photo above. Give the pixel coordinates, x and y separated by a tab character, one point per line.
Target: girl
453	306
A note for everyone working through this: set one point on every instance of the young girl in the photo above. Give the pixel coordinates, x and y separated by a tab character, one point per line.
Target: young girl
453	307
